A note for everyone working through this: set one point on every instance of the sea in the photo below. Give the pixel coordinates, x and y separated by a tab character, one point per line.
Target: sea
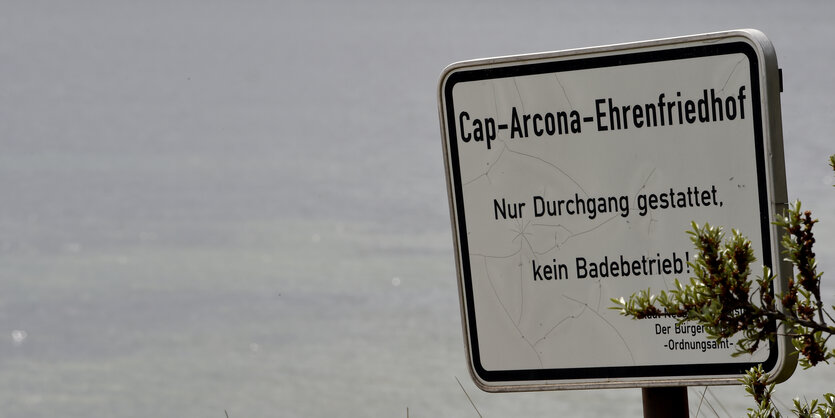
239	209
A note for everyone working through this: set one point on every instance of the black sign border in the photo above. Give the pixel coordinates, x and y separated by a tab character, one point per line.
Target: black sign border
563	65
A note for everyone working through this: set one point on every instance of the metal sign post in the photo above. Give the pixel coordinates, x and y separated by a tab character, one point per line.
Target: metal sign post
572	179
665	402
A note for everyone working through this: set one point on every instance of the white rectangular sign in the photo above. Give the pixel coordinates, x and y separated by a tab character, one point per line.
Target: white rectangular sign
573	177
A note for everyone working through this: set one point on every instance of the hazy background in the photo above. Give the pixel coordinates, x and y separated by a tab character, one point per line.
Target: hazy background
241	206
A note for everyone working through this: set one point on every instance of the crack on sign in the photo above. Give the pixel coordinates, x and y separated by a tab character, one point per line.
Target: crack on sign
498	256
495	292
567	318
491	164
506	147
515	324
564	93
602	318
521	233
518	94
643	187
554	166
644	183
557	245
733	70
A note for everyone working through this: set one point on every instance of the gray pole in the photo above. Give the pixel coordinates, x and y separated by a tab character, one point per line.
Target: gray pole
665	402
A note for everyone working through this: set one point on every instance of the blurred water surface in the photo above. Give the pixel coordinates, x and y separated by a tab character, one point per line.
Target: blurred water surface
240	206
